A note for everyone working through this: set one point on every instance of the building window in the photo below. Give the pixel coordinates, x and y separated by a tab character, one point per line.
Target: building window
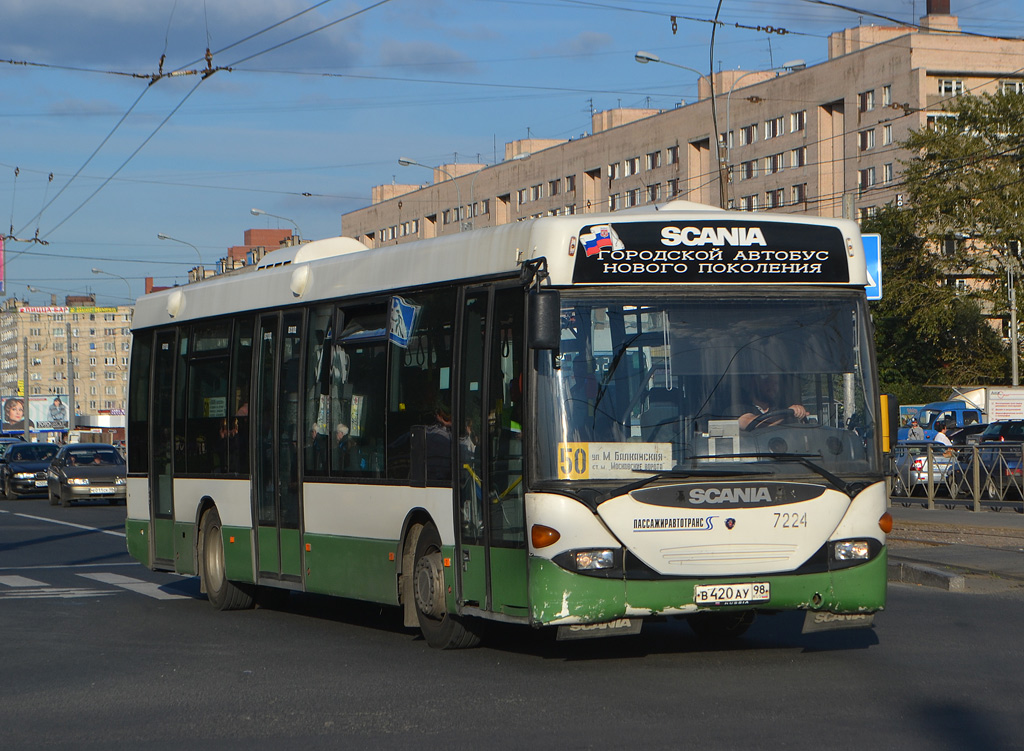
632	197
866	101
773	128
866	139
866	212
615	170
799	193
520	196
536	192
887	173
886	135
614	202
798	121
673	154
865	179
654	160
798	157
554	187
748	134
951	86
632	166
1011	87
887	95
654	193
570	183
939	119
773	164
748	203
748	170
774	199
673	187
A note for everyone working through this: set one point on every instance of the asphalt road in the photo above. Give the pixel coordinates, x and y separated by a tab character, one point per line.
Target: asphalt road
99	653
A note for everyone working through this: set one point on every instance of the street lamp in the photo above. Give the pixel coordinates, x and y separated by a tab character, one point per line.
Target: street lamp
261	212
162	236
404	162
127	283
648	57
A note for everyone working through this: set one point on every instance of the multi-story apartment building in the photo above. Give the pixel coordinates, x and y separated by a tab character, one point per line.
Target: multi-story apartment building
36	343
819	139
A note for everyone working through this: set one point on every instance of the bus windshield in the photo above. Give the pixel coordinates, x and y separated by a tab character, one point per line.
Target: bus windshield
713	382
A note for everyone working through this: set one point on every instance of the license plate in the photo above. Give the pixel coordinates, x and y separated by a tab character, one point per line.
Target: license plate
731	594
101	491
41	483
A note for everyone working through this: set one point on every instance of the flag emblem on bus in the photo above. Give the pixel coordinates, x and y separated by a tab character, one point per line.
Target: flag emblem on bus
598	239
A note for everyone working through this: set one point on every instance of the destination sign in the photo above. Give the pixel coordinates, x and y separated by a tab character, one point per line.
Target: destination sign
719	252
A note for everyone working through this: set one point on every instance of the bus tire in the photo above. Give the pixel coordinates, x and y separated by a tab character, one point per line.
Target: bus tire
722	625
222	593
440	629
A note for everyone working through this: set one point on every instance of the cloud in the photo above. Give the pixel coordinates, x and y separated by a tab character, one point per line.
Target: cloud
416	55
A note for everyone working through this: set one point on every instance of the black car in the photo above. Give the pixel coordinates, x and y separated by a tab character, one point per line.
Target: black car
1004	430
23	468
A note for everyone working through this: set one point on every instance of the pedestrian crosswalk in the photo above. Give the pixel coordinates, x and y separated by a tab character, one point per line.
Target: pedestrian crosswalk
18	587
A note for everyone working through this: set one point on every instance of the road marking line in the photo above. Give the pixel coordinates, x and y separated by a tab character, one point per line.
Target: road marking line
20	581
54	593
149	589
67	524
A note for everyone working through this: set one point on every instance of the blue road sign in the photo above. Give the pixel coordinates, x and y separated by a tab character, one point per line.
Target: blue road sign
873	257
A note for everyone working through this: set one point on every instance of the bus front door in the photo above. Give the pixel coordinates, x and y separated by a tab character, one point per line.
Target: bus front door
492	534
275	468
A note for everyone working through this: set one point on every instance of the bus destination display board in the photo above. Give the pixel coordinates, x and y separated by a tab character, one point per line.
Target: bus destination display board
720	252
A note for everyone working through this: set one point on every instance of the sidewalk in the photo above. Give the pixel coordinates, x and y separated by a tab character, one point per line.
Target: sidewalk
993	560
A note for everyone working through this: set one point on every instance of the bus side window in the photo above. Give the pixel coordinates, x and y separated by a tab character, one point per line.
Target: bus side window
318	410
358	382
420	399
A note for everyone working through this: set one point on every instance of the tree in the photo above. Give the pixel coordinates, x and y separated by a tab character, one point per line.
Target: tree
925	332
966	187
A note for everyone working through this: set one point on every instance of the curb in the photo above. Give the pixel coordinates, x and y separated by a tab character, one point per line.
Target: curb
927	576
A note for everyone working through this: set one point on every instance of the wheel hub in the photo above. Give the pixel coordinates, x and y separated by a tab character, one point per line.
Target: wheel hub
428	585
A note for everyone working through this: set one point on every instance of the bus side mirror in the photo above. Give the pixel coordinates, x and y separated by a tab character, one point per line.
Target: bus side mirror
545	311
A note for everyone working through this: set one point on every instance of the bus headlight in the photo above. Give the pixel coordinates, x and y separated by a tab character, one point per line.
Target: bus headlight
851	550
593	560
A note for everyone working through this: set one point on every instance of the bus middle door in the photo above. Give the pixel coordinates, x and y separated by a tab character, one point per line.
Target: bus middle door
275	468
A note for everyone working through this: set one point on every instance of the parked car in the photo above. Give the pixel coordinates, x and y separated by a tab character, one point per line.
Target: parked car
1003	430
23	468
86	471
913	467
1000	462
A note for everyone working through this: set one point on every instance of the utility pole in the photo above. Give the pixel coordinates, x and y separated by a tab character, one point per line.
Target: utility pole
71	380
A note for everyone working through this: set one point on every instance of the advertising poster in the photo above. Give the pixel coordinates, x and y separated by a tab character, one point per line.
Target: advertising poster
44	414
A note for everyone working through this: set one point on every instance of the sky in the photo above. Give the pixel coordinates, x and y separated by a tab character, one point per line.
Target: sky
310	103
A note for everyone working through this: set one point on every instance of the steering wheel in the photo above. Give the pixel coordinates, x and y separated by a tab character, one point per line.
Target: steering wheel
771	416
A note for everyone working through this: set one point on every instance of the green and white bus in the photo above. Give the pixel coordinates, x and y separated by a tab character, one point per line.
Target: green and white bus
551	423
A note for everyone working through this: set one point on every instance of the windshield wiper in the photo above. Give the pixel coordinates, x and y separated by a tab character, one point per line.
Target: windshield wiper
805	459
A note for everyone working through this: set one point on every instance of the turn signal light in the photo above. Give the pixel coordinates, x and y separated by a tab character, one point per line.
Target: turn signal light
885	522
542	536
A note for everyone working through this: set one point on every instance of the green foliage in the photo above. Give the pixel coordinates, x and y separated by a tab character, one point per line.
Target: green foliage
926	333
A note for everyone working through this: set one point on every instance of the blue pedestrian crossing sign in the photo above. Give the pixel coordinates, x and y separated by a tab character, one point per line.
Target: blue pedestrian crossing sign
873	258
403	321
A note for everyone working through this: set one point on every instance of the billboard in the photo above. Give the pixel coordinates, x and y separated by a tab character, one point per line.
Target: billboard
45	414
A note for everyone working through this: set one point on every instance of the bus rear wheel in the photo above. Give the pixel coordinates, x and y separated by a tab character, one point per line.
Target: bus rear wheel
222	593
441	629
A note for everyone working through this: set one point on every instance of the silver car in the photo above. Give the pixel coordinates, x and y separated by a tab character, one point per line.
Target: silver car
87	471
913	467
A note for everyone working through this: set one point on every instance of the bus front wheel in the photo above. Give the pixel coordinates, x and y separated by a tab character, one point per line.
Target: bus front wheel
222	593
441	629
